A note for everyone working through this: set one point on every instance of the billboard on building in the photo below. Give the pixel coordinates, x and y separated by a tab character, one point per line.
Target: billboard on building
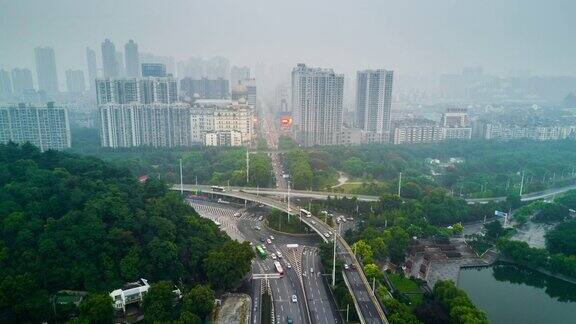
285	121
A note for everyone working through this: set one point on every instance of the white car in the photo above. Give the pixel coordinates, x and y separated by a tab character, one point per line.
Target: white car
271	237
268	241
236	214
273	256
326	234
313	222
279	254
294	299
288	265
346	266
311	270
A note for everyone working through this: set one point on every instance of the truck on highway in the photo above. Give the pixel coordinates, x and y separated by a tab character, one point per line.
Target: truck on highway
217	188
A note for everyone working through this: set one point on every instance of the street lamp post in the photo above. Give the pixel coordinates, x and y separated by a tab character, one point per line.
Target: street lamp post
288	201
181	179
334	257
399	183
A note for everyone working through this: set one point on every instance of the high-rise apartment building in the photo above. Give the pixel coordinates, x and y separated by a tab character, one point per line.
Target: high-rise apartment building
238	74
455	117
317	96
46	127
455	124
153	70
120	63
416	131
141	90
132	59
168	61
252	98
197	68
22	80
221	122
137	124
109	63
245	90
205	88
75	81
92	69
5	84
374	101
46	69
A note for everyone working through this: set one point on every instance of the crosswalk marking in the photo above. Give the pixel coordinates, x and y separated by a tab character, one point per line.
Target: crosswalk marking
225	216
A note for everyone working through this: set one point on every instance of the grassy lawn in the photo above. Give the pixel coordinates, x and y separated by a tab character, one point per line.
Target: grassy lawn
415	299
364	188
480	246
279	221
408	288
403	284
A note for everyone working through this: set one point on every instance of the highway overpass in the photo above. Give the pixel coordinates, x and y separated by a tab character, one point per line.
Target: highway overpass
321	195
368	308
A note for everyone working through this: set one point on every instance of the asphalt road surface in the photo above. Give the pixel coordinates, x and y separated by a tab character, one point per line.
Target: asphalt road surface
241	224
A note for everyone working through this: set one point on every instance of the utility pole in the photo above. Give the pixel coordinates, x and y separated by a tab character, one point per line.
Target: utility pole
181	179
399	184
334	258
347	312
247	165
522	184
289	201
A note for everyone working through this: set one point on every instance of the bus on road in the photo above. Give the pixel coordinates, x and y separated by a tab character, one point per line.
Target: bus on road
304	212
217	188
278	267
261	251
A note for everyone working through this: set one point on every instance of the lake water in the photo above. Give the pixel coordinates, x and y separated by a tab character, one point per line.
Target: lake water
513	294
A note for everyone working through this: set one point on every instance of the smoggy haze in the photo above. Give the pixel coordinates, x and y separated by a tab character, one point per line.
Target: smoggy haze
411	37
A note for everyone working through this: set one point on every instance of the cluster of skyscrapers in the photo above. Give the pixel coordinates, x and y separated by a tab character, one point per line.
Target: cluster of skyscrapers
149	108
317	99
46	127
139	100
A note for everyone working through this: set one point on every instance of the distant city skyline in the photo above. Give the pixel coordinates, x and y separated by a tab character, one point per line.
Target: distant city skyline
439	37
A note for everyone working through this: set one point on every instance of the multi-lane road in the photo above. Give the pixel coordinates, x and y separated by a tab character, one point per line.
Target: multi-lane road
313	304
322	195
366	304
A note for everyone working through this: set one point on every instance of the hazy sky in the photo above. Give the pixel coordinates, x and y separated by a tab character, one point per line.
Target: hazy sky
409	36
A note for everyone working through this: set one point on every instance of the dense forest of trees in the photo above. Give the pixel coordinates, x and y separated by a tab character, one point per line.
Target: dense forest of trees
78	223
539	258
207	165
489	169
457	304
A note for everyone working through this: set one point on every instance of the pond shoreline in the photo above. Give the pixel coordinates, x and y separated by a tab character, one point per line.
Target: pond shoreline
502	259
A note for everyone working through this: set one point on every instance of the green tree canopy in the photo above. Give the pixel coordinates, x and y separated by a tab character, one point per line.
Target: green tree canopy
97	309
159	303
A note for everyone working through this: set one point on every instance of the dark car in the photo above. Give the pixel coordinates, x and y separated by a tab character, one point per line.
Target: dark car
289	320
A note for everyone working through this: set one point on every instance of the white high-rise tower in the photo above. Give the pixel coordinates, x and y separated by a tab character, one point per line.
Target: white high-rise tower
317	105
374	101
